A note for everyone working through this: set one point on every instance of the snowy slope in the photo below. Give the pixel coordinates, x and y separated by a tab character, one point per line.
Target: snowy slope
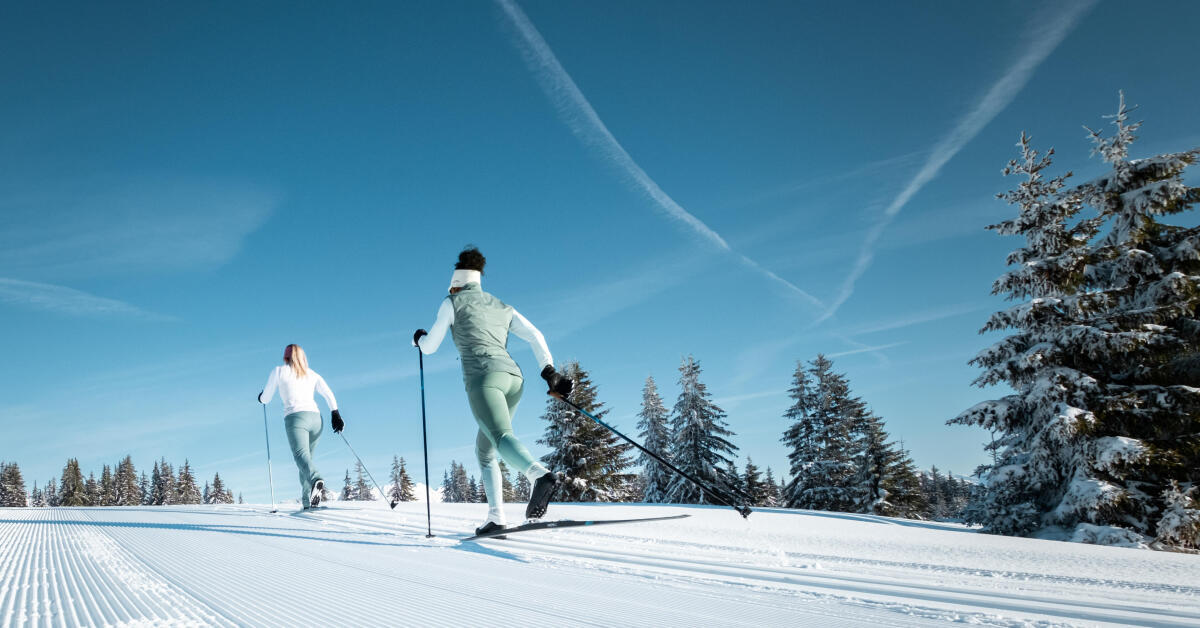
359	564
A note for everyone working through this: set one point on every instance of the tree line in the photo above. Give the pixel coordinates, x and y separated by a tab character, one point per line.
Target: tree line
118	485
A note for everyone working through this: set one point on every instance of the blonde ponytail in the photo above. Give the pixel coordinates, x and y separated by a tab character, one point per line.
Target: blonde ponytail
295	358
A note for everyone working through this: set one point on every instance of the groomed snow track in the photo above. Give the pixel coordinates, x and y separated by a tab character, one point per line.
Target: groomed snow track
361	564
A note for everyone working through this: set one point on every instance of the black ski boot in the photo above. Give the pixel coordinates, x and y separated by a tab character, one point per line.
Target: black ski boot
318	489
488	527
539	496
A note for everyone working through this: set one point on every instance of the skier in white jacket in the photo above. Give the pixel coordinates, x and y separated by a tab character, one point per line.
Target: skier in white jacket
302	419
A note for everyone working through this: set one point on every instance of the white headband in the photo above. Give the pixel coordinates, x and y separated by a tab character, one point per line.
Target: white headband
463	277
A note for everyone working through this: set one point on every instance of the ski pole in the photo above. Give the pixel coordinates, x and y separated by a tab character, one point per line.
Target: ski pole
425	444
742	510
270	473
362	466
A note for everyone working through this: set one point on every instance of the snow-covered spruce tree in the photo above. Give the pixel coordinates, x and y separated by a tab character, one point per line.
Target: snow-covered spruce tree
12	486
186	491
51	494
219	494
656	437
362	490
592	458
1106	411
885	482
37	498
1142	344
205	496
396	481
1038	425
407	488
521	490
700	443
773	495
125	484
91	490
906	495
72	489
348	493
822	446
506	486
755	487
164	486
473	491
108	494
447	488
734	484
144	490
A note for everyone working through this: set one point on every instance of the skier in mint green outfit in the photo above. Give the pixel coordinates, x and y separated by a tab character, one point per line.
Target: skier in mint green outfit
302	420
480	324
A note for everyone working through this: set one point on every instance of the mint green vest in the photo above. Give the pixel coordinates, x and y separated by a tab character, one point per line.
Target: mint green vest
480	332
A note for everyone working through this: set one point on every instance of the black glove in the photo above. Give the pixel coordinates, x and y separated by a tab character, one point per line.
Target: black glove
559	385
417	336
337	422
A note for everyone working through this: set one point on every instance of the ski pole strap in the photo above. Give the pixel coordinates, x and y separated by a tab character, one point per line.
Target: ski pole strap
743	510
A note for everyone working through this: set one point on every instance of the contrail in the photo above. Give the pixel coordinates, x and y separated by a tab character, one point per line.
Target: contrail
575	109
1043	42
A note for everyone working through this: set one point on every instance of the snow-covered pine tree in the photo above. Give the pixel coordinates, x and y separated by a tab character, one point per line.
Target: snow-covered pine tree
240	500
51	494
186	490
734	484
12	486
474	492
407	488
592	458
108	494
164	489
37	498
395	481
91	490
1038	425
906	495
773	494
880	466
820	438
219	494
125	484
447	488
72	488
1143	347
521	490
348	493
144	490
362	490
205	497
506	485
656	437
1106	411
462	484
700	443
755	487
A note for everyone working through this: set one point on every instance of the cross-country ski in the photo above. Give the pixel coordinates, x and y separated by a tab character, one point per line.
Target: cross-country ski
562	523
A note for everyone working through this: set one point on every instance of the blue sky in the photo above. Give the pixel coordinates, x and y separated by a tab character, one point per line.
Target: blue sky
185	190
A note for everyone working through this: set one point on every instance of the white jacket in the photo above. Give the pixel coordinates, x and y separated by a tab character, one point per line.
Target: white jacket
296	392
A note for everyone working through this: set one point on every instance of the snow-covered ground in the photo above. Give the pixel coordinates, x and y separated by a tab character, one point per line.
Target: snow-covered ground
359	564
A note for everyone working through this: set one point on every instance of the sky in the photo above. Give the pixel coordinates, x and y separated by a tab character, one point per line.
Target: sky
184	190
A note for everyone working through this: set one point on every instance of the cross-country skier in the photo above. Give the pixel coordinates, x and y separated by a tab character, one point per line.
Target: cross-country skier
480	324
302	420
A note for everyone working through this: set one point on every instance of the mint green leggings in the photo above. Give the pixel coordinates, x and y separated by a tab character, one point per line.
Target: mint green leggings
303	432
494	398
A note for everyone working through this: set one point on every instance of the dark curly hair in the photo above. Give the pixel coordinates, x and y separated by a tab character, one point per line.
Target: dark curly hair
470	259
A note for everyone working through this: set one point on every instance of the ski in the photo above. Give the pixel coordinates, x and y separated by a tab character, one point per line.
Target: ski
565	523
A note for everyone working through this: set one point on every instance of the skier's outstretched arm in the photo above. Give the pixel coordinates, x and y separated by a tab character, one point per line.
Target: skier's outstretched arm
429	342
323	389
268	391
527	332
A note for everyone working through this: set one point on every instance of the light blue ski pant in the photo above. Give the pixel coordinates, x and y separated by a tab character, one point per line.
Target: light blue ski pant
494	398
303	432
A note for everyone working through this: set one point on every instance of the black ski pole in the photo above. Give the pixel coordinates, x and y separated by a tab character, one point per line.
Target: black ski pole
270	472
425	444
742	510
391	500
